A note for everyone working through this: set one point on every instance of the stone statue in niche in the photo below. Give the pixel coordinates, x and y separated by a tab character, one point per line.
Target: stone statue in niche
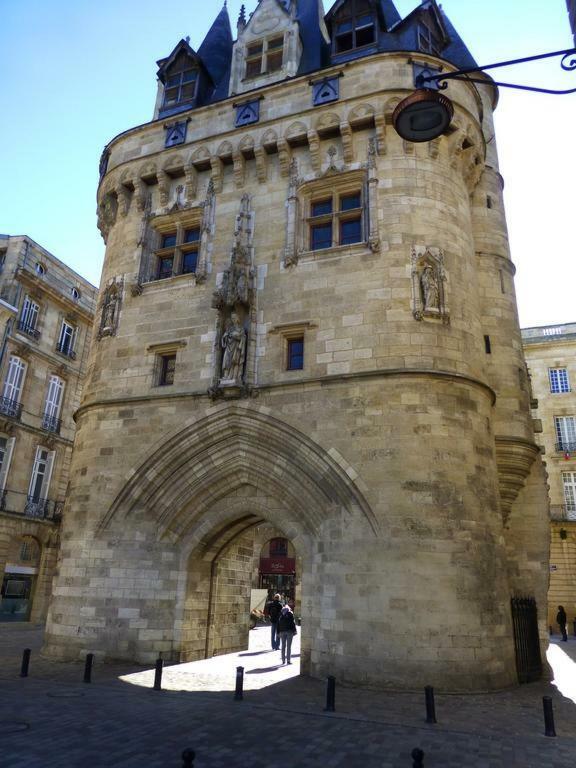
234	300
234	351
428	284
110	310
430	288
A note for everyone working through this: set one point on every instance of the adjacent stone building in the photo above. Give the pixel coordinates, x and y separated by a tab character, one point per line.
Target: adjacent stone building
551	357
306	322
46	316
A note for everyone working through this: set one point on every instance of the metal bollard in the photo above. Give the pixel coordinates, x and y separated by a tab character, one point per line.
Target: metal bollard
239	692
430	705
188	758
574	625
330	694
549	729
25	662
418	758
158	675
88	667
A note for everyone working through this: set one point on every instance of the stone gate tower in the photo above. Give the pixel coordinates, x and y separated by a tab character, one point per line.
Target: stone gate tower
306	320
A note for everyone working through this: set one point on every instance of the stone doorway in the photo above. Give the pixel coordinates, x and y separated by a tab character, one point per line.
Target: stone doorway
220	584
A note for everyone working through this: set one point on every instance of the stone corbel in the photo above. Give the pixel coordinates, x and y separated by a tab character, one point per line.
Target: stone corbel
514	459
314	145
284	157
217	172
239	169
124	197
347	142
164	188
141	194
434	148
380	123
191	183
408	147
261	164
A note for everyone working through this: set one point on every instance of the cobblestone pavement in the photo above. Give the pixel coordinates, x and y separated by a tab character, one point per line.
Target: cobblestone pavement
53	720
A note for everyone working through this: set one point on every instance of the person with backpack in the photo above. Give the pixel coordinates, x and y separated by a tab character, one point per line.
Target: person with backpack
274	611
287	631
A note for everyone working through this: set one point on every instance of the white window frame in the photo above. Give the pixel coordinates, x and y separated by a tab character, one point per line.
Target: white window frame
44	459
14	381
53	403
569	487
559	380
565	428
5	459
30	314
71	336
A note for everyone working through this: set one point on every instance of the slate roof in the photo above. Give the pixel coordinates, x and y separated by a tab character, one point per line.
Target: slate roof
395	34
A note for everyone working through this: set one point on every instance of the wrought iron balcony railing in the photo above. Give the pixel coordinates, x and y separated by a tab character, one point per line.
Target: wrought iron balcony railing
10	407
51	423
561	512
565	447
66	350
29	330
17	503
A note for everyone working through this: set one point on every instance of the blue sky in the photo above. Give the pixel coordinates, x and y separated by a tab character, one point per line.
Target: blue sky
77	72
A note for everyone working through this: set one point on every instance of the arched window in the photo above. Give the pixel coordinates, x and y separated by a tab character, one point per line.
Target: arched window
354	26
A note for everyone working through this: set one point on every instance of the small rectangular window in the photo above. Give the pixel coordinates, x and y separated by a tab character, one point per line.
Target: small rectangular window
350	231
487	345
166	370
169	241
322	207
349	202
189	262
296	354
320	236
165	265
192	235
559	382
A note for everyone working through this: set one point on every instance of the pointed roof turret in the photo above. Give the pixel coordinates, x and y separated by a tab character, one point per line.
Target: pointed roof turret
216	50
456	51
389	12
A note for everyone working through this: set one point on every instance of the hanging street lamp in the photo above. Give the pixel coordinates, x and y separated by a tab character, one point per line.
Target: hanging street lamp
426	113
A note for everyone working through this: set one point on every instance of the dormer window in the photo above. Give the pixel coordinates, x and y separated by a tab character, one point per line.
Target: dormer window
428	41
354	26
264	56
181	82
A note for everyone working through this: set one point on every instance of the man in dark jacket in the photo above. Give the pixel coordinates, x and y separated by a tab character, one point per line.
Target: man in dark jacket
561	619
274	611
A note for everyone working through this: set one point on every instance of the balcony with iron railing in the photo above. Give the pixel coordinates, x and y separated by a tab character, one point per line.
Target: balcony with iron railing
564	446
10	408
51	423
66	350
22	504
29	330
563	512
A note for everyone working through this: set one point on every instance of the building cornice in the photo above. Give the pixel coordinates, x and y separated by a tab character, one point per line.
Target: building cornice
318	381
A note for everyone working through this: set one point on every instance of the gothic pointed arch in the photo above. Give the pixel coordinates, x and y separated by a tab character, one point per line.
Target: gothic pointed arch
178	484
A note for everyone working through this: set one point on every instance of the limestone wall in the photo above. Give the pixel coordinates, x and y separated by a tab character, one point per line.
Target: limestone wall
394	461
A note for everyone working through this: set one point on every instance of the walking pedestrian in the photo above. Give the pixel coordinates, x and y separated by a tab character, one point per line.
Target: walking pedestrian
287	630
561	619
274	611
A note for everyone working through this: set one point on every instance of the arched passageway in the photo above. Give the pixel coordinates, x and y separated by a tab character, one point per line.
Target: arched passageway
196	503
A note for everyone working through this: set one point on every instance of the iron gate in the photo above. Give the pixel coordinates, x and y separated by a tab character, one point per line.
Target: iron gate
526	639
